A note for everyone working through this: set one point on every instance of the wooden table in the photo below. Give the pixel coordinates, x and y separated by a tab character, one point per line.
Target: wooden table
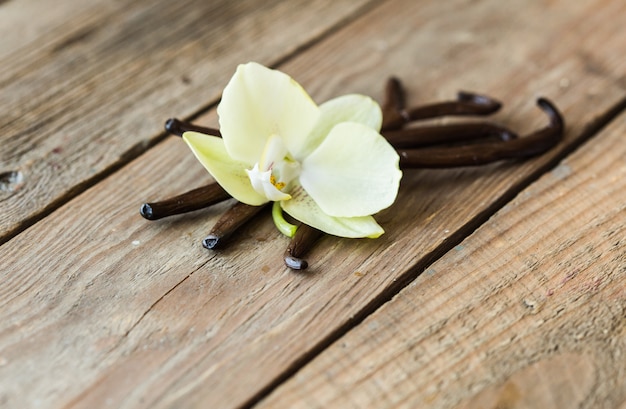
501	286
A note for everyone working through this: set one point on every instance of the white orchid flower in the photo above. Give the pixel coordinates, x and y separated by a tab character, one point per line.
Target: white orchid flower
326	166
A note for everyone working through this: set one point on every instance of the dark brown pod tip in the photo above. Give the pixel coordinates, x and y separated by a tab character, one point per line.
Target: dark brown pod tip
177	127
300	244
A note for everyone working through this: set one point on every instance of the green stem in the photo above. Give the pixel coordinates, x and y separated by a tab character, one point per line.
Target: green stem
283	225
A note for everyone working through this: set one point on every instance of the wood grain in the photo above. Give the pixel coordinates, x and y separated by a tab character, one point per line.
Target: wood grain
527	312
100	306
84	89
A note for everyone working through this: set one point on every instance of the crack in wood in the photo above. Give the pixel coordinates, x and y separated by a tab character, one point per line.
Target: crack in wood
157	301
76	38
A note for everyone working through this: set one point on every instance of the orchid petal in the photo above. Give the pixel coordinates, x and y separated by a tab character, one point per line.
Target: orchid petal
259	102
303	208
354	172
229	173
347	108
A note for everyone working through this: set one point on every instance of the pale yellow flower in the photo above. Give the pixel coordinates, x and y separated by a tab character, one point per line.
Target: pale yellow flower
326	166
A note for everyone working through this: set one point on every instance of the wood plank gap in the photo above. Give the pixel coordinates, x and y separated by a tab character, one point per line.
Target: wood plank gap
141	148
126	158
341	25
592	129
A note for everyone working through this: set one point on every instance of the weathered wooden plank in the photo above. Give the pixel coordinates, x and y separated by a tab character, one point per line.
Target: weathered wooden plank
136	314
527	312
84	88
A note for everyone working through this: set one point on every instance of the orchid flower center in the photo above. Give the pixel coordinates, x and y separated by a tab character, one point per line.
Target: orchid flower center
274	171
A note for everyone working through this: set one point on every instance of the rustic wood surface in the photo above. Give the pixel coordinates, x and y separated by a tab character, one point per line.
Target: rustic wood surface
542	282
100	308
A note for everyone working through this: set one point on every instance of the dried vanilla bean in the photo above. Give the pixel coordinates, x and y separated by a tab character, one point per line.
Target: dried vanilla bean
228	223
195	199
